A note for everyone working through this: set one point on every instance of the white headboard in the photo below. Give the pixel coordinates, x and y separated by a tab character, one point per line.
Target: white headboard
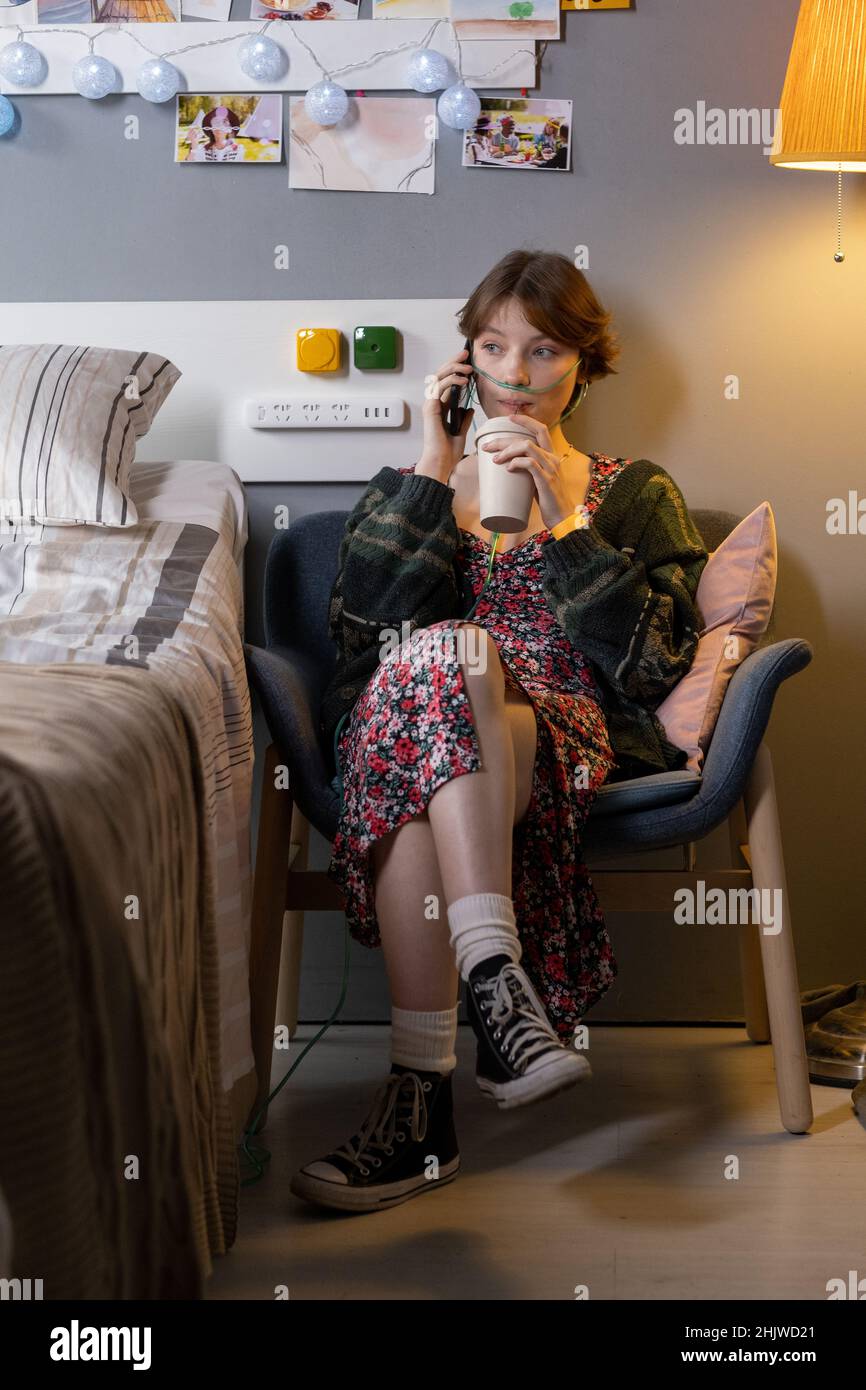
232	350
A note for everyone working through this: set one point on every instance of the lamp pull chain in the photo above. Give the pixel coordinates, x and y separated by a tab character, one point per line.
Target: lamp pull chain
839	254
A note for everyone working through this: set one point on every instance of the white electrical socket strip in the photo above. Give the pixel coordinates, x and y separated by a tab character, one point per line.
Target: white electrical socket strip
334	412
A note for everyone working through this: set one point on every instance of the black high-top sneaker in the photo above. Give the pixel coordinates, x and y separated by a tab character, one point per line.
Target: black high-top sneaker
520	1059
407	1145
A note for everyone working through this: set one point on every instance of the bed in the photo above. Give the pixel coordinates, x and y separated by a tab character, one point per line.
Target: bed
126	1068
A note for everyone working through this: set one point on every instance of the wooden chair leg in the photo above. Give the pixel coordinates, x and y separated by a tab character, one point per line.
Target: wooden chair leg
777	950
269	902
293	931
751	967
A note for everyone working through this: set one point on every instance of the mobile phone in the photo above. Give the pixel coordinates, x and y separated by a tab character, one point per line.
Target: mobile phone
457	413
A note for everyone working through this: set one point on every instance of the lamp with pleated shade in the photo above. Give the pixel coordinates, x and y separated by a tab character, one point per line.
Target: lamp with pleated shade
822	110
823	104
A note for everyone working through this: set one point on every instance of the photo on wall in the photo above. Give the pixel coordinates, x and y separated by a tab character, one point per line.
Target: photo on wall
411	9
206	9
304	9
17	12
108	11
520	133
382	145
231	129
505	19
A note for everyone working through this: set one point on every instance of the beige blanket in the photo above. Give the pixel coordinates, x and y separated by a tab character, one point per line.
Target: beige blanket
160	596
117	1155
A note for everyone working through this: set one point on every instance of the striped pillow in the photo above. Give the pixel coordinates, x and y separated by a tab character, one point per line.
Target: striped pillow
69	421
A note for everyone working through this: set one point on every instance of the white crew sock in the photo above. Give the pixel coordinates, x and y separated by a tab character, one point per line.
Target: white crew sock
424	1040
482	926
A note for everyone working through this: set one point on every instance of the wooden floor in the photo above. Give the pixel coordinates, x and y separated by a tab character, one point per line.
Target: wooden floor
618	1184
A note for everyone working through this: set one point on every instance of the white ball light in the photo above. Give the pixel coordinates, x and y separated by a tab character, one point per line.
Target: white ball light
158	80
326	102
22	64
428	71
7	116
459	107
94	77
262	59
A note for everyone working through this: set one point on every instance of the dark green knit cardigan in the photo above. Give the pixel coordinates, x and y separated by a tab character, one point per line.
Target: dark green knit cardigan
622	589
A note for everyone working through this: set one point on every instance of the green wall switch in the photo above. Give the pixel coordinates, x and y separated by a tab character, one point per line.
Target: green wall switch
375	348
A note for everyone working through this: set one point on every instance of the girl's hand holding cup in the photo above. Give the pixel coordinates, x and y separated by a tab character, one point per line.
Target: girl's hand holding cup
533	453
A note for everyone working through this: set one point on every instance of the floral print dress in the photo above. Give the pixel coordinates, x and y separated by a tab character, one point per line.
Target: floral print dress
412	729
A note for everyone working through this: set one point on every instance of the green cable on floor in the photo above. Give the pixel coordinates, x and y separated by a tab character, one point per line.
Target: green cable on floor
257	1158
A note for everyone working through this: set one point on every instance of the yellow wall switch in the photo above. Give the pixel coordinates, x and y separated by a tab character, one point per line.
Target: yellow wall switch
318	349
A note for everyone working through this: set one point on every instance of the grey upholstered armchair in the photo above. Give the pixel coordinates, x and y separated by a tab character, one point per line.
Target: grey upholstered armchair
648	813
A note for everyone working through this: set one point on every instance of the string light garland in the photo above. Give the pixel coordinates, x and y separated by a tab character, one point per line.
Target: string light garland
261	59
22	64
158	80
94	77
428	70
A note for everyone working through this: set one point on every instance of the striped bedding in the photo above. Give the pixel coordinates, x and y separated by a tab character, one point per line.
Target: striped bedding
160	602
70	418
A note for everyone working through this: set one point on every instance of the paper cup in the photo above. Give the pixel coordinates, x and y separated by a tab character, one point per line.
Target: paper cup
505	499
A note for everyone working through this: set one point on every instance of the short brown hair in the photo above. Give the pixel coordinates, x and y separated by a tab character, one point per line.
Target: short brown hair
555	297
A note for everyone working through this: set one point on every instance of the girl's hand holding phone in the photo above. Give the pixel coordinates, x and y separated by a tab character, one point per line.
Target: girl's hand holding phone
442	451
537	457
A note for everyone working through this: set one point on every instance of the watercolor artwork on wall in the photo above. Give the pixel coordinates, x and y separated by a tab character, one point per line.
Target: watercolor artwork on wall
411	9
382	145
505	19
206	9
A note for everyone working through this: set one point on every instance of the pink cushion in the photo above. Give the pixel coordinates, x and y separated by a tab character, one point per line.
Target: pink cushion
735	597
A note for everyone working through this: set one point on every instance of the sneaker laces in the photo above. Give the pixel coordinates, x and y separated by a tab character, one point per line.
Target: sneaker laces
380	1126
511	996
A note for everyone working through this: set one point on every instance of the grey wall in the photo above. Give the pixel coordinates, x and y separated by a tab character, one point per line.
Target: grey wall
89	214
712	262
